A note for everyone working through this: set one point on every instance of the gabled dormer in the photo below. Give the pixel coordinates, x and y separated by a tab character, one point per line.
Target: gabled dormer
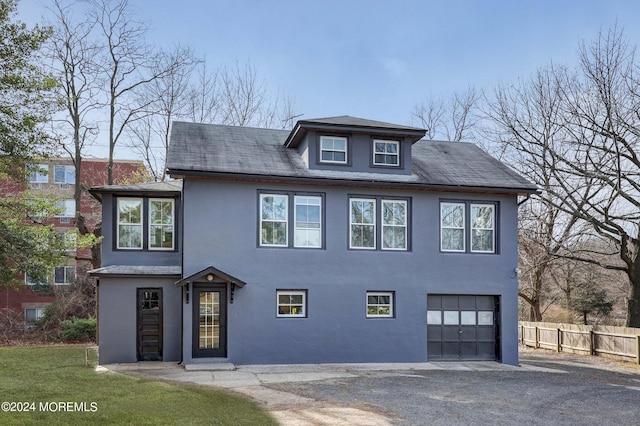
347	143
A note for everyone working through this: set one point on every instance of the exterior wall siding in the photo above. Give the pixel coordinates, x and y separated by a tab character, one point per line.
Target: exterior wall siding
117	325
221	228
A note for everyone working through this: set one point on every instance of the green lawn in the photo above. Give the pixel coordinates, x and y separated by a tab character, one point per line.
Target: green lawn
51	376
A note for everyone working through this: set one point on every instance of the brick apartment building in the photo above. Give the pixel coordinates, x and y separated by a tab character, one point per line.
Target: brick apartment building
27	303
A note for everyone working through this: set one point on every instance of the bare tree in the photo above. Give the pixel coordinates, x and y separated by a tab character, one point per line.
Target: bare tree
73	55
593	159
453	119
131	66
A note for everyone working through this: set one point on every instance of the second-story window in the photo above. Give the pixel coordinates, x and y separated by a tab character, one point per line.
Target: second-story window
129	223
368	215
38	174
299	226
333	149
161	224
64	174
468	227
67	208
386	153
274	214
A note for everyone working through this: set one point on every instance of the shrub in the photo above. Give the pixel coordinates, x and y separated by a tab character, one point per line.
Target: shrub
78	330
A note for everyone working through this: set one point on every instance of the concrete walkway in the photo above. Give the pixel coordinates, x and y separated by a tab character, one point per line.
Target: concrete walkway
291	409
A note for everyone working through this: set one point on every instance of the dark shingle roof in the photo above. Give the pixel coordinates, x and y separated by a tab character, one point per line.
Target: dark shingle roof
150	188
240	151
136	270
347	120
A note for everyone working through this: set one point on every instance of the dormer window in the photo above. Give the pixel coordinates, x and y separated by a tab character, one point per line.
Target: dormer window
386	153
333	149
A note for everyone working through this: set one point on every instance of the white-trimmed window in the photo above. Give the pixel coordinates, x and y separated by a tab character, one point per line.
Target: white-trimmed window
32	315
274	214
483	228
452	227
380	304
468	227
161	224
64	174
333	149
386	153
67	208
129	223
362	223
31	281
38	173
308	221
394	225
291	303
64	275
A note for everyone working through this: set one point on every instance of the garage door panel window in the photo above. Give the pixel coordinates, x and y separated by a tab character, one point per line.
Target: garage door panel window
485	318
434	317
451	318
468	317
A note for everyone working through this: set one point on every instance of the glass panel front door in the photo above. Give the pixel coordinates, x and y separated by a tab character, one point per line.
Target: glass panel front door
209	321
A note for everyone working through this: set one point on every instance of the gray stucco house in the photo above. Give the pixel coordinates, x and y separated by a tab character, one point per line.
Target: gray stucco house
342	240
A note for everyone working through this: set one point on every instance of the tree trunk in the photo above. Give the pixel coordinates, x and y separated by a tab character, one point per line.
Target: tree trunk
633	304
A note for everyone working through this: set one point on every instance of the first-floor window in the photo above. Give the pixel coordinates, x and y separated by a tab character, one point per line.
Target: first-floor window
380	304
63	275
129	223
291	303
367	216
274	213
32	315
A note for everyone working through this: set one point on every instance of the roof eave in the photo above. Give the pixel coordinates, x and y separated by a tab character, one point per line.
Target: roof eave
520	190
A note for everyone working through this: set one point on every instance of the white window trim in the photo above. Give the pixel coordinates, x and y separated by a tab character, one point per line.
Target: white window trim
375	242
141	224
291	293
380	293
493	228
64	181
295	220
405	226
397	154
66	274
43	178
173	226
285	221
346	150
63	214
464	231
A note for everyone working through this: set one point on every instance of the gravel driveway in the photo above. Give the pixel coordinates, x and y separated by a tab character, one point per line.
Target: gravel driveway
574	390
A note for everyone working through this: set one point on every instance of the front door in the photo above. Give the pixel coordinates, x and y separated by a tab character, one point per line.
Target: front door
149	347
209	321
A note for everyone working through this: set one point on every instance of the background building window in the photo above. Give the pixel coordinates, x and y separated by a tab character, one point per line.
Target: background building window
379	304
291	303
64	275
333	149
67	207
38	174
161	224
32	315
129	223
64	174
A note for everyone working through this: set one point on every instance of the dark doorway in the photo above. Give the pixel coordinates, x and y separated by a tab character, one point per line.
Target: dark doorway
149	324
210	321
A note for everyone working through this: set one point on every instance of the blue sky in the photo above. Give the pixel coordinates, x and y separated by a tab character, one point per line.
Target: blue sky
378	59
